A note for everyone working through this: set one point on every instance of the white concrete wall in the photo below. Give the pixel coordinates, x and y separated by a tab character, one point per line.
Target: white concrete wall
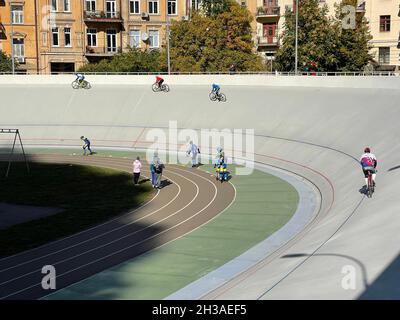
336	123
387	82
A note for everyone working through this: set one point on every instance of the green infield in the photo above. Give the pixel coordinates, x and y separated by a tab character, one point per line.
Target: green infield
85	195
263	204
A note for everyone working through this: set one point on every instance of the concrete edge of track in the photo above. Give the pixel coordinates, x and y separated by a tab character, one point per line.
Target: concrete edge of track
306	211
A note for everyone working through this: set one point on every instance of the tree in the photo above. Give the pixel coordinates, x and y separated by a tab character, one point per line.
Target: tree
5	62
323	44
133	61
214	7
316	38
353	53
214	43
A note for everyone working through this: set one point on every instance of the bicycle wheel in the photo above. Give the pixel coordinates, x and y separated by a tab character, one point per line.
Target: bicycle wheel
155	87
165	88
75	84
222	97
86	85
213	96
370	187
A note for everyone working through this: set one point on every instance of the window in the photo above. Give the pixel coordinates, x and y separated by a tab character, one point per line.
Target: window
384	55
17	14
19	48
243	3
54	32
67	37
195	4
91	5
172	6
153	38
53	5
67	5
91	37
134	38
384	23
153	6
134	6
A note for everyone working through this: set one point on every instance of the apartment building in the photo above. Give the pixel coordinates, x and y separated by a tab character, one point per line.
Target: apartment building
383	17
18	31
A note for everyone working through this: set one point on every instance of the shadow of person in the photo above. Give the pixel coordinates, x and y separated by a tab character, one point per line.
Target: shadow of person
165	183
363	190
144	181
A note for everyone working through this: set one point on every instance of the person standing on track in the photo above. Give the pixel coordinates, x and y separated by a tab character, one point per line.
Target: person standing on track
368	162
153	173
86	145
137	166
159	167
194	151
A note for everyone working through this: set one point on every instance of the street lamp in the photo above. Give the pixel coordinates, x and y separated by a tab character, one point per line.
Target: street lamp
297	37
167	35
12	37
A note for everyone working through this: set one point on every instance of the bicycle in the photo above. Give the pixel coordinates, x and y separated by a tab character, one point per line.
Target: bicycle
164	87
84	84
370	186
217	96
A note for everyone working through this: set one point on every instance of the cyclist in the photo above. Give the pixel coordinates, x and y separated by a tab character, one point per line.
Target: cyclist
368	162
80	77
220	153
215	89
86	145
159	81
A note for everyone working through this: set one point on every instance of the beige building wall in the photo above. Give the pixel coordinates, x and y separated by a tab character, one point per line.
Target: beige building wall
24	30
60	36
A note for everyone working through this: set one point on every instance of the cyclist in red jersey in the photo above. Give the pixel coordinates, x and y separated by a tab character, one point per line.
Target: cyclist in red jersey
159	81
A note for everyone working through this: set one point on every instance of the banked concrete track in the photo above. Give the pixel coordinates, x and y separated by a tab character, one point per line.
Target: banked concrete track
317	130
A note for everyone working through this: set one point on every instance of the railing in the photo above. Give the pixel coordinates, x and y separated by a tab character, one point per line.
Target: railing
268	11
272	41
102	15
102	51
276	73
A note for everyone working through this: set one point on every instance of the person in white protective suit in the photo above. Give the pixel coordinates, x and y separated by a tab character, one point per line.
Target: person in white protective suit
194	151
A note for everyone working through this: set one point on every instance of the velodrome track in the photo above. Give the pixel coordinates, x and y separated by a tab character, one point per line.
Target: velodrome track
316	129
192	198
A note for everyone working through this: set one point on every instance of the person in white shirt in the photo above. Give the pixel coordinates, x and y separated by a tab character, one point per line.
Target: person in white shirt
194	151
137	166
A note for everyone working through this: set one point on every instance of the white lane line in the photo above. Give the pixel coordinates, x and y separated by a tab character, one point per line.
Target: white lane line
97	236
83	231
129	247
116	240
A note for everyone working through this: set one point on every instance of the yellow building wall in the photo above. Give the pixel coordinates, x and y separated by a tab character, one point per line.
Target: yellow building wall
25	31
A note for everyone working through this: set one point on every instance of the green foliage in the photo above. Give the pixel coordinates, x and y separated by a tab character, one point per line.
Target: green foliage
214	43
322	41
133	61
6	62
215	7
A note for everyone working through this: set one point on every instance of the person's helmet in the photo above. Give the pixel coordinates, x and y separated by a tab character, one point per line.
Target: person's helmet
367	150
219	149
82	137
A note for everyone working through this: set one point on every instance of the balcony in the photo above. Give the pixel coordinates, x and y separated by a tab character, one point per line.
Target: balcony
102	16
102	51
361	8
268	13
267	41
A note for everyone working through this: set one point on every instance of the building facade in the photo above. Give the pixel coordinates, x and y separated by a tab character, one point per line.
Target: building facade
382	15
19	33
50	36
